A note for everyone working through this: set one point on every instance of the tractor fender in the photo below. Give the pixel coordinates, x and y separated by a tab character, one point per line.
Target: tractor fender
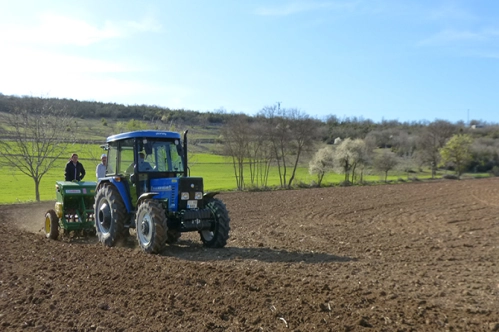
120	186
145	196
210	194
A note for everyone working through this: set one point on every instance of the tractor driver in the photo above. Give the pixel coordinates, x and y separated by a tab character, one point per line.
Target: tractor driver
74	170
143	165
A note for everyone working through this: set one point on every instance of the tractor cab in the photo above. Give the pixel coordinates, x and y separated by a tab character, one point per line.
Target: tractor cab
140	159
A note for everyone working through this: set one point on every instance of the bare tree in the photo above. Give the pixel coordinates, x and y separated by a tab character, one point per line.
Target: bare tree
304	133
431	140
37	135
366	155
385	162
290	133
383	138
236	137
259	155
279	136
403	144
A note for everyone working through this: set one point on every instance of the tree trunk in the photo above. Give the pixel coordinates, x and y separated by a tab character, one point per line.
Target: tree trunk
295	166
37	189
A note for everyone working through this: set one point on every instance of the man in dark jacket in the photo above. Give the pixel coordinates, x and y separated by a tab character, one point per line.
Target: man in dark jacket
74	169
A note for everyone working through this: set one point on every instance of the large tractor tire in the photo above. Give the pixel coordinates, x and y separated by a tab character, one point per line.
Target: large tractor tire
151	226
51	225
217	238
110	215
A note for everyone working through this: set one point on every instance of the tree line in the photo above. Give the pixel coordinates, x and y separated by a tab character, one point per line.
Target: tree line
286	138
112	111
41	129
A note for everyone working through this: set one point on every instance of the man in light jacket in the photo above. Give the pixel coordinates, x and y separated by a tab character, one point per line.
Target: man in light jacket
100	171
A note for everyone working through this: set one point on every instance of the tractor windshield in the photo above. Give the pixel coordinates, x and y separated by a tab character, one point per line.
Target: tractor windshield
154	155
162	156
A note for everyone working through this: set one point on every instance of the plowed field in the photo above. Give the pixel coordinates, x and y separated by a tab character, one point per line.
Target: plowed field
406	257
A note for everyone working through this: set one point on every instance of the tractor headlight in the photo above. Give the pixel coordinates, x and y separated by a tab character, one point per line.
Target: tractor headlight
184	196
198	195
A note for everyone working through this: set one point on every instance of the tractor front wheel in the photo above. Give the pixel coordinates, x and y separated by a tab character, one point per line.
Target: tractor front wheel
110	215
51	225
151	226
219	234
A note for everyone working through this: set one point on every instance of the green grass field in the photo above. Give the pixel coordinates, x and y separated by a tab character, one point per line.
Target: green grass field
217	171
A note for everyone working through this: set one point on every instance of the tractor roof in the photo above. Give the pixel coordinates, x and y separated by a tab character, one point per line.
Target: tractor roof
144	134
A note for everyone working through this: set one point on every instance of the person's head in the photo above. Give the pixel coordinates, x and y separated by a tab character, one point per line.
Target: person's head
103	159
142	155
74	158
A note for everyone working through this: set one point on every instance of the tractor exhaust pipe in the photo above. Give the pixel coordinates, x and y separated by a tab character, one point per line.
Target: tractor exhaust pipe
185	153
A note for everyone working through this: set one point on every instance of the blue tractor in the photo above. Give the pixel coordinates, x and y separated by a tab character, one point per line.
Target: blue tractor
148	188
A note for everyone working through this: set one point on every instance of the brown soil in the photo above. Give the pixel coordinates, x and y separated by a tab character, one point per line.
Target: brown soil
408	257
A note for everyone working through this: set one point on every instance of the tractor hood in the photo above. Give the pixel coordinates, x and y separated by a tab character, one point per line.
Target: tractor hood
171	188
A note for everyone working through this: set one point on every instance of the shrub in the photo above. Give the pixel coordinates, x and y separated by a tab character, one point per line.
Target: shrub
450	177
301	184
263	188
314	184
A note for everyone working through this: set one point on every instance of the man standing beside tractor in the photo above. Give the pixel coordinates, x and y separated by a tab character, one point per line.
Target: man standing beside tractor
74	169
100	171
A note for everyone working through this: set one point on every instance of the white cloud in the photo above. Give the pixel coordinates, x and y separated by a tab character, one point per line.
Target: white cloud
53	28
33	65
42	63
103	88
37	73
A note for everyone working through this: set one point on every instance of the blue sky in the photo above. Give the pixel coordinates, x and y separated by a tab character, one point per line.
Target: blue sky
405	60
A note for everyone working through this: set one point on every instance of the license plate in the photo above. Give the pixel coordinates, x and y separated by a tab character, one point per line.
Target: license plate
192	204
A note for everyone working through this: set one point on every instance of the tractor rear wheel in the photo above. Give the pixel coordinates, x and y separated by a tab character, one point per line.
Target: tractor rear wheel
51	225
110	214
151	226
217	237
